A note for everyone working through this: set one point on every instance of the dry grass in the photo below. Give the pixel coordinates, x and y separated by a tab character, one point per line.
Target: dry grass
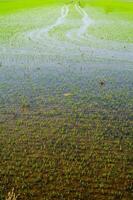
11	195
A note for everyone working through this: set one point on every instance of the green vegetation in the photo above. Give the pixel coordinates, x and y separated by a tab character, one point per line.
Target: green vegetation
111	22
7	6
66	103
45	156
123	5
76	146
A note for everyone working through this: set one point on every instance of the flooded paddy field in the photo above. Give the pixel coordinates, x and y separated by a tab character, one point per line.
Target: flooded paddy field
66	101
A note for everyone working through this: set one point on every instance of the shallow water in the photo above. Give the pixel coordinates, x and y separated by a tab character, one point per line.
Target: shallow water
55	48
66	102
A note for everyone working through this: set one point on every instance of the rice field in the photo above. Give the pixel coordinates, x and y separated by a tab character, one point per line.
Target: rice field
66	100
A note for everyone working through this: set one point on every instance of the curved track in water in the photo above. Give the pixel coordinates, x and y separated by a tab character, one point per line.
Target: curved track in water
77	38
69	36
66	106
